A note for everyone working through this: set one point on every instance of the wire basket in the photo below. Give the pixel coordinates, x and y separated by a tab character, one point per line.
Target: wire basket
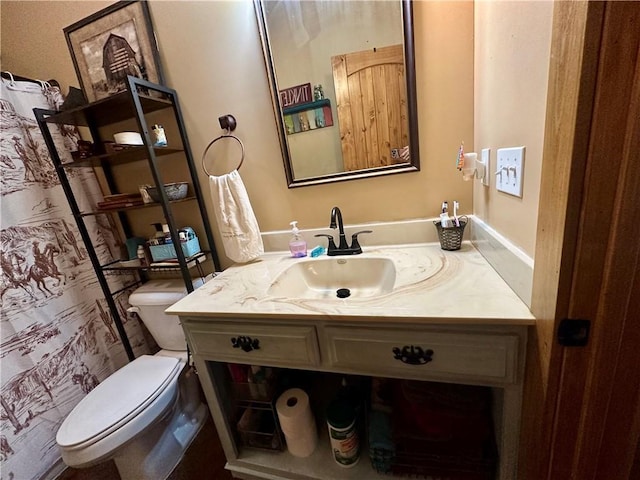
451	237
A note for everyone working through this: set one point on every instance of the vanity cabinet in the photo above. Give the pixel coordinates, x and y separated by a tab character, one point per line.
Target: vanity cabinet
140	105
460	352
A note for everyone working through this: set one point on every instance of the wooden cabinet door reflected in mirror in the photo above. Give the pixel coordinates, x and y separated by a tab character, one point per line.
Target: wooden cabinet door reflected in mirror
371	101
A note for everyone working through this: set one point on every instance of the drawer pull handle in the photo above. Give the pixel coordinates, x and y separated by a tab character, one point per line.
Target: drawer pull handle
245	343
413	355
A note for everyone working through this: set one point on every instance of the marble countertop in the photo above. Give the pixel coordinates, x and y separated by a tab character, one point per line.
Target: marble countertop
432	286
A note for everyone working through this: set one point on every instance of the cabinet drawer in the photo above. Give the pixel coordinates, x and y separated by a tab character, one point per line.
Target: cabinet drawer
476	357
277	344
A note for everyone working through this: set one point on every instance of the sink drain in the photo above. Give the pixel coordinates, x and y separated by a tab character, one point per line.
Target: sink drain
343	293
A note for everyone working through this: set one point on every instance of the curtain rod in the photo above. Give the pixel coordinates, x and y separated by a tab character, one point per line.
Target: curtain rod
9	76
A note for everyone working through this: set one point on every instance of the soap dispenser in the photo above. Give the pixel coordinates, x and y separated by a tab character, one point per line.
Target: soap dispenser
297	244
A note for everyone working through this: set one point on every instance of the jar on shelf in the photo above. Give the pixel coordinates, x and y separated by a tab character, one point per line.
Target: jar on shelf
161	138
142	255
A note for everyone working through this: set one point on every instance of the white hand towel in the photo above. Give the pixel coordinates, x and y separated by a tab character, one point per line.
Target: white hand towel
238	226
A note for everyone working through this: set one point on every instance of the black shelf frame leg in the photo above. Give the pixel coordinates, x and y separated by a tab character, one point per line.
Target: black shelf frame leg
41	115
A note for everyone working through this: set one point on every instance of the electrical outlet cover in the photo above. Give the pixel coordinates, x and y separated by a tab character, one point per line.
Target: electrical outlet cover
485	158
510	170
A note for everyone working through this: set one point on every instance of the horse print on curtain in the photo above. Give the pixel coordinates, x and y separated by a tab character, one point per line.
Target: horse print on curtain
58	340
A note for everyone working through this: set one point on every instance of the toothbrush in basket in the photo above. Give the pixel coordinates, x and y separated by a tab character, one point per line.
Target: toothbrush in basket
456	206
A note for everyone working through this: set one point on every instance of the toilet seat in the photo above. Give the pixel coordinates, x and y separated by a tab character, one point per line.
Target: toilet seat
118	409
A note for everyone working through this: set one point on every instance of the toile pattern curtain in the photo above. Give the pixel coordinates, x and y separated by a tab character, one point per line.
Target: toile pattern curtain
58	340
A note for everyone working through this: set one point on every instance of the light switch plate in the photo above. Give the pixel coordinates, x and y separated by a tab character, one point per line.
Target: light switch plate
510	170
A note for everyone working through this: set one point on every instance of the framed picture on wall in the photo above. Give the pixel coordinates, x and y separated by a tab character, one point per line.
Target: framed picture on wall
112	43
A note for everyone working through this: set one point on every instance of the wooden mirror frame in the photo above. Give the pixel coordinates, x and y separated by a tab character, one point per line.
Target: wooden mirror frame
412	107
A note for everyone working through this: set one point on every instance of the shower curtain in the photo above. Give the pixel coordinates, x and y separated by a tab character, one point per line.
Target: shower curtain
58	340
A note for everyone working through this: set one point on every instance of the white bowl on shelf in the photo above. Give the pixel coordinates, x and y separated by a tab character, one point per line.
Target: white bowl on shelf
128	138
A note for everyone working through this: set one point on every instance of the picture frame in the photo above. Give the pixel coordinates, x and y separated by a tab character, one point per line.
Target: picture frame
112	43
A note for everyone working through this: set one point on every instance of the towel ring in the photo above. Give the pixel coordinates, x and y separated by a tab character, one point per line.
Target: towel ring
226	135
12	81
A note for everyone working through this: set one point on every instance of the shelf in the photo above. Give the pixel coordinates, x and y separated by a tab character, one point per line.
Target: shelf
307	106
308	117
108	110
319	465
192	262
134	207
128	155
134	105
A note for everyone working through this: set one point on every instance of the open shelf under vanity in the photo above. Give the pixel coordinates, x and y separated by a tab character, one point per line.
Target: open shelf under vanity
250	462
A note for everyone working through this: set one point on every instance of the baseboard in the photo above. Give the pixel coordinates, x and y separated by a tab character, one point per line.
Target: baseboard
55	471
511	263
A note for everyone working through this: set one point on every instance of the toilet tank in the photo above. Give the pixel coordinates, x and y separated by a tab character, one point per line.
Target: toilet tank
151	300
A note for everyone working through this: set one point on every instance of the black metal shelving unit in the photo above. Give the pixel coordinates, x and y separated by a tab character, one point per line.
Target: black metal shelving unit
139	100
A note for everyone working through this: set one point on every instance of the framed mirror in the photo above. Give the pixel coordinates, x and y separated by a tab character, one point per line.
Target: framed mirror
342	78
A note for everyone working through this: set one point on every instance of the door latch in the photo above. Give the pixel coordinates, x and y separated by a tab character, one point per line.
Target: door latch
573	332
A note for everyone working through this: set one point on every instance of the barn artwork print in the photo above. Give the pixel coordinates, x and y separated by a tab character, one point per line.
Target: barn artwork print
109	45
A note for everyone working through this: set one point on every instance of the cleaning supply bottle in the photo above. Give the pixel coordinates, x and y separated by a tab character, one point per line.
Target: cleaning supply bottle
445	221
342	421
167	233
158	236
297	244
142	255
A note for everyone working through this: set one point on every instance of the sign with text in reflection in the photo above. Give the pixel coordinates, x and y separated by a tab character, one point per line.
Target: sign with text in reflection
292	96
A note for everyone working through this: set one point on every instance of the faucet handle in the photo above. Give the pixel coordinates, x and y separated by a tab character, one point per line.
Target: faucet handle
332	245
355	245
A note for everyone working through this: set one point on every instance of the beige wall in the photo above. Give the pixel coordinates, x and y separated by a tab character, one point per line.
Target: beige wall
211	54
512	45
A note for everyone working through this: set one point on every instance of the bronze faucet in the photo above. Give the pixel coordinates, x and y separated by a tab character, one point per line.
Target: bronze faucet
343	247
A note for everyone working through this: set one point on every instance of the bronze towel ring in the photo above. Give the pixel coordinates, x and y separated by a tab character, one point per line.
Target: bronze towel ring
204	155
227	122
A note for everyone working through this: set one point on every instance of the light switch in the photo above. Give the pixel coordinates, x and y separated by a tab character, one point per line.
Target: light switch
510	170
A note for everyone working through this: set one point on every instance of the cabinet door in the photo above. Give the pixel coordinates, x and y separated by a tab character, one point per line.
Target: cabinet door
427	354
256	344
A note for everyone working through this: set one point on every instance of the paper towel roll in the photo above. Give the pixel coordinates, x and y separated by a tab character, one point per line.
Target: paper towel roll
297	422
302	447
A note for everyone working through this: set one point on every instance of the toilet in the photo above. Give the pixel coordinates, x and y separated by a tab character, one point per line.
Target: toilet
145	415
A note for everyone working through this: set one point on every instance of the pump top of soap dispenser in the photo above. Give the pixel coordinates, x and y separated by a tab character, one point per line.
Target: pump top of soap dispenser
294	228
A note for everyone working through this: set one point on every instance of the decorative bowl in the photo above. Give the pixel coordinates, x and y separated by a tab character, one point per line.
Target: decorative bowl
128	138
174	191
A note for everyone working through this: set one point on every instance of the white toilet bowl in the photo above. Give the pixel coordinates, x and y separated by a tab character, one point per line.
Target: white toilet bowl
143	416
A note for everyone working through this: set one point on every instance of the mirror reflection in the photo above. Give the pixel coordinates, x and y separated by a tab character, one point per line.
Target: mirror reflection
343	82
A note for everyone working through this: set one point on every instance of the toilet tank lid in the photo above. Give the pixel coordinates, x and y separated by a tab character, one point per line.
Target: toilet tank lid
161	292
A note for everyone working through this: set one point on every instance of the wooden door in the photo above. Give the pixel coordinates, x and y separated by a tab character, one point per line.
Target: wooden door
371	98
581	418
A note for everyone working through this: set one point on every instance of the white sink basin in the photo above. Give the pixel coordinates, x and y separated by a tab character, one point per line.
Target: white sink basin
336	277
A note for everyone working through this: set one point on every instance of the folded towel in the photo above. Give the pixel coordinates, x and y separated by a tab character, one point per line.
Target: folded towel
237	223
